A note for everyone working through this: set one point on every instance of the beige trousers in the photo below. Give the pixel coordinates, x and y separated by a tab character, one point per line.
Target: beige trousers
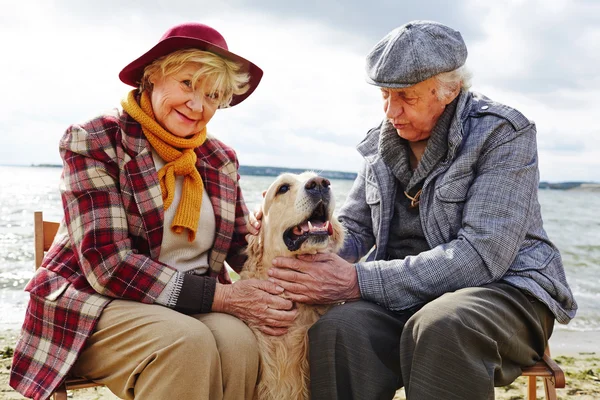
144	351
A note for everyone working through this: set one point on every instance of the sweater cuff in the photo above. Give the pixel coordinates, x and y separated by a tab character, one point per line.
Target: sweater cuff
370	283
197	294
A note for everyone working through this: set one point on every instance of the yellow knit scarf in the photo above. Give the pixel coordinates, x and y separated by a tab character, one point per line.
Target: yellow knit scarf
181	160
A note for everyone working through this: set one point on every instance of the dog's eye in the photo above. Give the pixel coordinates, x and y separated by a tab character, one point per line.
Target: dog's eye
283	188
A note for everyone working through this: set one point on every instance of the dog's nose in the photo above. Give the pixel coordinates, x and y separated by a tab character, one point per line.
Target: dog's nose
317	184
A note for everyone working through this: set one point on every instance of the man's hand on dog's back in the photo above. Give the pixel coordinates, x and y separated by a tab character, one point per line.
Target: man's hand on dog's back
316	278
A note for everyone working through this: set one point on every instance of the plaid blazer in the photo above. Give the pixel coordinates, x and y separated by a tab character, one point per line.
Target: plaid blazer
479	211
109	241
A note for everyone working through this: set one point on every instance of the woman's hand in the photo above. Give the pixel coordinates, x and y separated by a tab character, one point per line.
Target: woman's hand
257	303
254	218
316	279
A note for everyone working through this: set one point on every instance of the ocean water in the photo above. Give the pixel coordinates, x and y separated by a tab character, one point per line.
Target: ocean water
571	218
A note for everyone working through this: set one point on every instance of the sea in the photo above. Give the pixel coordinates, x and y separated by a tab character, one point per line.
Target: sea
571	219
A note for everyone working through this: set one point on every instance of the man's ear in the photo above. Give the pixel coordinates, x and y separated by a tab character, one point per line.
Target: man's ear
264	193
454	93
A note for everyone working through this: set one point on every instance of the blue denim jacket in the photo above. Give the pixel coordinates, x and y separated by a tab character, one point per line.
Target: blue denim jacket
479	211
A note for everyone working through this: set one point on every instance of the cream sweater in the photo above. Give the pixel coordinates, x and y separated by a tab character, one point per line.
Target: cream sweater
176	250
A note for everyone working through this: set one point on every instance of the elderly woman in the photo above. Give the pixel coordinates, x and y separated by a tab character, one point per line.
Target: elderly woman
134	293
463	285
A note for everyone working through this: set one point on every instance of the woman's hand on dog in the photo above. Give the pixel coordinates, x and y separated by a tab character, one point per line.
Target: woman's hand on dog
254	222
257	303
316	278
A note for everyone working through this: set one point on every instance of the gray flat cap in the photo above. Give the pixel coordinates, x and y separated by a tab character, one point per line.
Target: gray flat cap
413	53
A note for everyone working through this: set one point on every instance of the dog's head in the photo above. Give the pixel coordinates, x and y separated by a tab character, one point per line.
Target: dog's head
298	216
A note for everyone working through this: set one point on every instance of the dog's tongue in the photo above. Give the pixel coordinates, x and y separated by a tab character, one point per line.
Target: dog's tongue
313	227
329	229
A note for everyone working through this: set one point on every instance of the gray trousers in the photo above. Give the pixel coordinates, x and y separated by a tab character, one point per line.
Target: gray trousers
458	346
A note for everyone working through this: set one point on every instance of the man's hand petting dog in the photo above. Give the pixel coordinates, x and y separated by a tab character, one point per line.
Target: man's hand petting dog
316	278
258	303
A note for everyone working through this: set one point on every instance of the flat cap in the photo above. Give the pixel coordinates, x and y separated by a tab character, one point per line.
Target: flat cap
414	53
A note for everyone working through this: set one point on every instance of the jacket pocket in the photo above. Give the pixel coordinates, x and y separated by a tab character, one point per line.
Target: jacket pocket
455	189
373	199
535	256
55	294
372	194
47	284
449	203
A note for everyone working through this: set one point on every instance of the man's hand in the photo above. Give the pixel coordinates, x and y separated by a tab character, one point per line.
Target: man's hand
316	279
257	303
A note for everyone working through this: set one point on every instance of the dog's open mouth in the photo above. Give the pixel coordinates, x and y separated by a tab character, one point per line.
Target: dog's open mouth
317	225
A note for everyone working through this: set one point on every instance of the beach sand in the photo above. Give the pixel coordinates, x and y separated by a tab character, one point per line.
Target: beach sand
578	354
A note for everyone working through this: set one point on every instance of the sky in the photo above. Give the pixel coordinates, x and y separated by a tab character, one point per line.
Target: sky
61	58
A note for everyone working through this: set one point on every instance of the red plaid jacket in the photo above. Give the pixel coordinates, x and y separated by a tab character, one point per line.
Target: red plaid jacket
109	241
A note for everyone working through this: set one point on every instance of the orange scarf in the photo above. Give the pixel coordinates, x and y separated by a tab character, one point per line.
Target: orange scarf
181	161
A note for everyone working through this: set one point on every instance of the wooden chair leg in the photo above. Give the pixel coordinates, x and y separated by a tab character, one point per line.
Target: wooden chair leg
60	393
531	388
550	388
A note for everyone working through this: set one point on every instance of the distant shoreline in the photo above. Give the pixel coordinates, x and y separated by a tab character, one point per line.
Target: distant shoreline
275	171
587	186
256	171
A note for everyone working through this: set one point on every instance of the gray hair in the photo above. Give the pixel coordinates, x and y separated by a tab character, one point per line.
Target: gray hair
448	81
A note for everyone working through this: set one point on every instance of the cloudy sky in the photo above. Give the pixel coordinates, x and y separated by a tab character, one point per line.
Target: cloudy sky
61	58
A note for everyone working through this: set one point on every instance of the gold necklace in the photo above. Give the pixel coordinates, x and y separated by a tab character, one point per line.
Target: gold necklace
414	201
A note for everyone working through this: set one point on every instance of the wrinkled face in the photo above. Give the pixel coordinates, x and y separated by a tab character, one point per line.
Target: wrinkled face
298	216
179	108
414	110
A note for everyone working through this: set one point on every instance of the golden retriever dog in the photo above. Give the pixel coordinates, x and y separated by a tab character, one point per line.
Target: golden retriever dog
297	219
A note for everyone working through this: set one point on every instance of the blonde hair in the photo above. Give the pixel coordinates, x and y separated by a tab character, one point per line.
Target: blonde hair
449	81
223	75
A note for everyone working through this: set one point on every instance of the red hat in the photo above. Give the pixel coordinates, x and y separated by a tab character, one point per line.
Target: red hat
196	36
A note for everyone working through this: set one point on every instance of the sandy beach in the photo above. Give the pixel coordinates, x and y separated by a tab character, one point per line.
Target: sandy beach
578	354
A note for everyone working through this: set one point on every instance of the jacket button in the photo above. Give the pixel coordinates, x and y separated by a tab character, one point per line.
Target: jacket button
485	107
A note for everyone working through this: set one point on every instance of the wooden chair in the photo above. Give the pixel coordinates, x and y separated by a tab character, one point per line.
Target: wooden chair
44	232
546	368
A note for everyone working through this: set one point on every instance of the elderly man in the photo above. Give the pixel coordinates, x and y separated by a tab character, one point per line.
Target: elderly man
463	285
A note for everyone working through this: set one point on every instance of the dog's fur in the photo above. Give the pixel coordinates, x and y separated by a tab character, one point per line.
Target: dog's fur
290	201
